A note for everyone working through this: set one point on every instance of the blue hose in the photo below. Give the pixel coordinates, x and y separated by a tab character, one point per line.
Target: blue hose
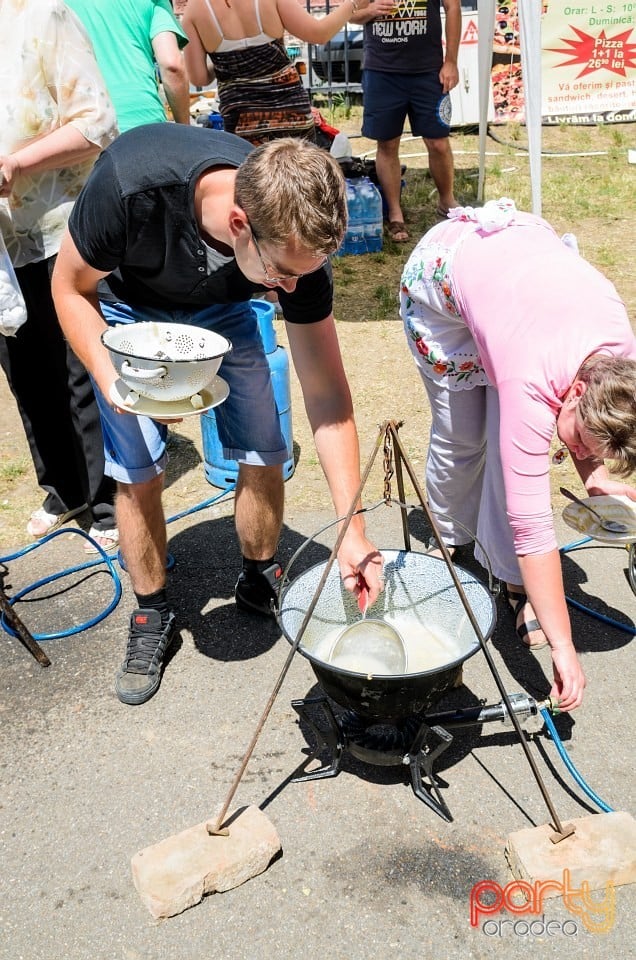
104	558
63	573
568	762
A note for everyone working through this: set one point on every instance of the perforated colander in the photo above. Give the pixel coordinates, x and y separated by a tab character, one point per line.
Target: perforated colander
165	361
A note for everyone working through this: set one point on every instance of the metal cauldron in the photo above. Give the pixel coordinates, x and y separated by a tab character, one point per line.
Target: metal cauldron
419	596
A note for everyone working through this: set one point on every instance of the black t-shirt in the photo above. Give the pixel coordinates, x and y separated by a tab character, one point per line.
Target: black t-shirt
406	41
135	218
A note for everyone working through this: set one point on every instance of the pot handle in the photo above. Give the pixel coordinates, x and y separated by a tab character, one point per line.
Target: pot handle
142	374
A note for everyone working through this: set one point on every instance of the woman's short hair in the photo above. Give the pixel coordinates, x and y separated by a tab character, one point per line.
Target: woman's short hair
608	408
292	190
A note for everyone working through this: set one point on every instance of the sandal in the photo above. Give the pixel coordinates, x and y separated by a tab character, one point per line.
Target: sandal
397	231
517	602
107	539
43	522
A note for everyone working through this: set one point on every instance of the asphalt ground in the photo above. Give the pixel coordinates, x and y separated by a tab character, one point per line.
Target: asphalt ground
367	868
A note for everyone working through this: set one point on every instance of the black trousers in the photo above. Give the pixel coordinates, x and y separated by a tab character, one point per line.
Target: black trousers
56	402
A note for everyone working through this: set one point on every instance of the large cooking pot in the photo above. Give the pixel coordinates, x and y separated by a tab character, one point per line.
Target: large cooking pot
419	598
165	361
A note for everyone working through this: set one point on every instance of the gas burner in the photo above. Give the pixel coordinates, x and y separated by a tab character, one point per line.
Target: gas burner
408	742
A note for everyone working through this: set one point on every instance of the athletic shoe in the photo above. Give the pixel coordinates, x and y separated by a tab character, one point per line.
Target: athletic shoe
149	639
258	592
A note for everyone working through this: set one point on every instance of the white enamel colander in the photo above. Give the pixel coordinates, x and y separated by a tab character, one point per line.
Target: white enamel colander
165	361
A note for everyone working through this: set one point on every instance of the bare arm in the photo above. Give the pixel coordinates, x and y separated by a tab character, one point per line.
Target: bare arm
199	68
313	30
318	363
171	63
449	74
74	288
62	147
543	583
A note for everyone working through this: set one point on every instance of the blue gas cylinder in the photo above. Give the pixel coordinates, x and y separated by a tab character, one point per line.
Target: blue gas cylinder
221	472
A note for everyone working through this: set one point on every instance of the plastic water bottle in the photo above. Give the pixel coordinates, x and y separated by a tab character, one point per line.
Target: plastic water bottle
372	205
354	239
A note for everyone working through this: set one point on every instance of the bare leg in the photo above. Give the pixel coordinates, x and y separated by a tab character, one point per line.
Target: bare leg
258	510
142	532
387	165
442	169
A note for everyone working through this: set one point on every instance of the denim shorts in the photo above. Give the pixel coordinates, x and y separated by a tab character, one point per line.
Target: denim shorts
390	97
247	422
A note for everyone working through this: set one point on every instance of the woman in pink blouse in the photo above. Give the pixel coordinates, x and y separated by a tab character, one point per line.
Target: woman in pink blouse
516	336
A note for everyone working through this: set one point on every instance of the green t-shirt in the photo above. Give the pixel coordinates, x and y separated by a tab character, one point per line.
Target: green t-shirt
122	32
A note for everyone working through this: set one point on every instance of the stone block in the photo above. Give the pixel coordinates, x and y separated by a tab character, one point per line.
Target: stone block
602	850
178	872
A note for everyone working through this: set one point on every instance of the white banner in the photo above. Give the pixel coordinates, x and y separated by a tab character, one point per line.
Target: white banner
589	62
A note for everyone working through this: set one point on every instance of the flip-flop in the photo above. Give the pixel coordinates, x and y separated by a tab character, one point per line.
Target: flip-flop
441	212
517	602
397	231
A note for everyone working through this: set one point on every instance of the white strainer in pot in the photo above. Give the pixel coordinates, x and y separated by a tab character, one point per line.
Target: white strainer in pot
165	361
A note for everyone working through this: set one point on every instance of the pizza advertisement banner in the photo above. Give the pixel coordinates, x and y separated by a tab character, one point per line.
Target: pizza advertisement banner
588	63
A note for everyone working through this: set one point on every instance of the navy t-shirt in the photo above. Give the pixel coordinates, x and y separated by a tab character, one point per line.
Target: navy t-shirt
135	217
407	41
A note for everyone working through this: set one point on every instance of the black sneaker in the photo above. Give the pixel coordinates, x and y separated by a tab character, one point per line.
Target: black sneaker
149	639
258	592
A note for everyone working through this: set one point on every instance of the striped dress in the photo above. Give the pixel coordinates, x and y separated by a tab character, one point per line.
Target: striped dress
261	96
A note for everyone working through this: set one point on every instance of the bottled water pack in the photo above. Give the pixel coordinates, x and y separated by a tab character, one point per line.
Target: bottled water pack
364	207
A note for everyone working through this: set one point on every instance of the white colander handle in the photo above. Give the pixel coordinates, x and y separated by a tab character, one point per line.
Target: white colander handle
137	373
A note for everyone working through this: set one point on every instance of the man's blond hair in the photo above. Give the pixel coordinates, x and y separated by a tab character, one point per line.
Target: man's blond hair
608	408
293	190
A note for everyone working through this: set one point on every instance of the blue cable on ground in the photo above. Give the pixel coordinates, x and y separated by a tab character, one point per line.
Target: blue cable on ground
103	558
570	766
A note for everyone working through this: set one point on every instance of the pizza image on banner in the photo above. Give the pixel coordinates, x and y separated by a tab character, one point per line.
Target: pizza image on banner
505	75
588	62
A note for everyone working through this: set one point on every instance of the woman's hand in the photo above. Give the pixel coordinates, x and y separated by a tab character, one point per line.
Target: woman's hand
9	170
605	486
569	679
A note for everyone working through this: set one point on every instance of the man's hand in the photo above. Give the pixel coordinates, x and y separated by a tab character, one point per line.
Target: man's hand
382	8
449	76
361	566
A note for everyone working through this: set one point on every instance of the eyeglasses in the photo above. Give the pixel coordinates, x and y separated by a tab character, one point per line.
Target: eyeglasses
287	277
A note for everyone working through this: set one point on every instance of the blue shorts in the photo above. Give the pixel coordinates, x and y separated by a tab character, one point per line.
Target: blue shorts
247	422
390	97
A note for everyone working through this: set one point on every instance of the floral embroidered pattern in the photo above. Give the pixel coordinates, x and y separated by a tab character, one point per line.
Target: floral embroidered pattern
433	270
442	365
441	342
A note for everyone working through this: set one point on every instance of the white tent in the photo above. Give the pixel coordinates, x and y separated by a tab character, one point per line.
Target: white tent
530	37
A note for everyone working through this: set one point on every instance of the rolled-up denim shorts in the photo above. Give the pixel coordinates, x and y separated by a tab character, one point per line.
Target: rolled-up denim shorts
390	97
247	422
